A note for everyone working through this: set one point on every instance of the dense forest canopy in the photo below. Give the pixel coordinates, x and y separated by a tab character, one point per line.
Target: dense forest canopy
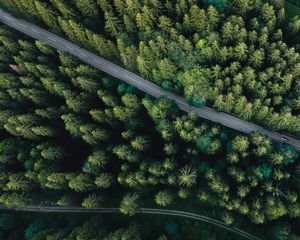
30	226
72	136
236	56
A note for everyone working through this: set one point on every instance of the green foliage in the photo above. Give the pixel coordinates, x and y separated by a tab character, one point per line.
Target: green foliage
104	180
65	201
187	176
87	7
14	200
89	227
163	198
57	181
80	183
69	133
128	204
197	85
91	201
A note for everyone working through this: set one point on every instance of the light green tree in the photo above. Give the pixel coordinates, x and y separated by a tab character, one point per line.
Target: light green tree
92	201
163	198
187	176
128	204
104	180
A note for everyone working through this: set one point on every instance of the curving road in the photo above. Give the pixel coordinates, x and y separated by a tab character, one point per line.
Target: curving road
154	211
137	81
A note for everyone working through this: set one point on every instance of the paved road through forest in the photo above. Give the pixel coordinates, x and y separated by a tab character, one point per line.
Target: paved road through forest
155	211
137	81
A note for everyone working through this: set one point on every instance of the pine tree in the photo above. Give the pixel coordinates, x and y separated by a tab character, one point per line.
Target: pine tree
66	10
257	58
38	97
187	176
163	198
81	182
22	125
195	21
18	182
87	8
274	210
124	152
4	115
92	201
72	124
104	180
45	131
48	15
128	204
57	181
14	200
50	151
128	54
112	23
98	158
65	201
87	84
140	143
79	103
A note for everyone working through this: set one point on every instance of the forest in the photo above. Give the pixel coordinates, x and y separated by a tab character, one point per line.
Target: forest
237	56
85	227
71	135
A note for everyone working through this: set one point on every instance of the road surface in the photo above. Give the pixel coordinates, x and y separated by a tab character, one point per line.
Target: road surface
154	211
137	81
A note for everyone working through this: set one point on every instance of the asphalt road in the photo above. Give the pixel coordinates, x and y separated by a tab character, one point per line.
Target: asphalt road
154	211
137	81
